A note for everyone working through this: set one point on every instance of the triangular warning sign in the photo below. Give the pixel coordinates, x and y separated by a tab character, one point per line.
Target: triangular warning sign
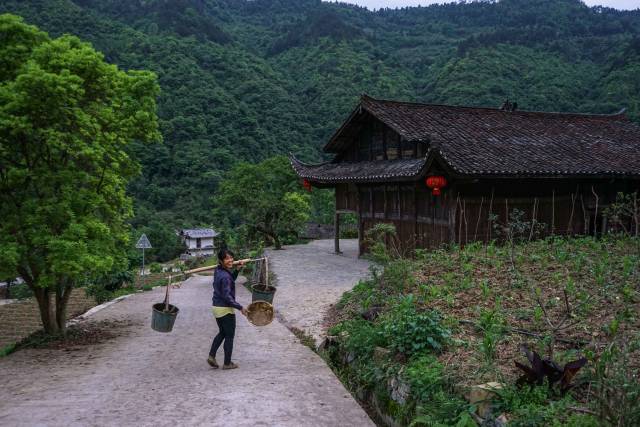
143	242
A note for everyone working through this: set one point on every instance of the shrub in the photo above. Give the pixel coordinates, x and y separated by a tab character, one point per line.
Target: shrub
104	287
361	337
155	267
409	331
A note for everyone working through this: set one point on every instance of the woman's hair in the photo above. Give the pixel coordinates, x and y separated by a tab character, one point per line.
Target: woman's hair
222	254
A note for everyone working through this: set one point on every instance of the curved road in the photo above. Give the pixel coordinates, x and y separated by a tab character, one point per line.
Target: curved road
144	378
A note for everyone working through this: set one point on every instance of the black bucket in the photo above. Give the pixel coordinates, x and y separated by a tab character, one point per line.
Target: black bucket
161	320
259	293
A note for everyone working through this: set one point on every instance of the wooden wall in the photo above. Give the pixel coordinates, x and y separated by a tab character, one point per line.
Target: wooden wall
477	211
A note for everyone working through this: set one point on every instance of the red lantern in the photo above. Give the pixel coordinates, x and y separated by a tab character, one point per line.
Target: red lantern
307	185
436	183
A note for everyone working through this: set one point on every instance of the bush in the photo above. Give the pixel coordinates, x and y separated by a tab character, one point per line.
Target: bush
155	267
361	337
20	291
104	287
409	331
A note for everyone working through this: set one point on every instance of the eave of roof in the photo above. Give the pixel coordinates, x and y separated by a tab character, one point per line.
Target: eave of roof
359	172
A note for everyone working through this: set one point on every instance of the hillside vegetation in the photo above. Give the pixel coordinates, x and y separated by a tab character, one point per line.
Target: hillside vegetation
246	80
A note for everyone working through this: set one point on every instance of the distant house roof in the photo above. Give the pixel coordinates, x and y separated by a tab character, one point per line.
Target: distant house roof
199	233
490	141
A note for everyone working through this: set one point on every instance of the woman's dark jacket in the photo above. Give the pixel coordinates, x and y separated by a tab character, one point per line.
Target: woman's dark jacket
224	288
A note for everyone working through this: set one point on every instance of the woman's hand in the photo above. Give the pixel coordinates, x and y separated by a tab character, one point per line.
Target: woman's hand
244	311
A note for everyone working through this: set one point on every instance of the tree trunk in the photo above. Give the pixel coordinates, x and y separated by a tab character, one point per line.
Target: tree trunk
62	299
47	312
271	235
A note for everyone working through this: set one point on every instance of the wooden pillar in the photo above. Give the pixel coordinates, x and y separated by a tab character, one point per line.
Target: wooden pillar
415	216
386	202
360	222
452	208
336	222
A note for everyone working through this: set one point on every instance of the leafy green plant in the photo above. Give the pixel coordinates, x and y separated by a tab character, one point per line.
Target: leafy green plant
155	267
536	406
409	331
7	349
492	324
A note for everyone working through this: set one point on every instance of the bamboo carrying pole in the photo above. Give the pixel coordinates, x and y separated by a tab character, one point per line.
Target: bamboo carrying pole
211	267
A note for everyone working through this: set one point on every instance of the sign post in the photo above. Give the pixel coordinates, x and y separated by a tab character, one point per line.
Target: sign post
143	243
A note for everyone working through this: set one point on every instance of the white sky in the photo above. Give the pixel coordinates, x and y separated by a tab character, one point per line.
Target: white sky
376	4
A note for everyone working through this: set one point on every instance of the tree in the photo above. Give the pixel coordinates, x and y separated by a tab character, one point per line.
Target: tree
264	196
66	119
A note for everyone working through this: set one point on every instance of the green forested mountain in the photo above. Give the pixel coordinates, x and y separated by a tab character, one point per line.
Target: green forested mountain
244	80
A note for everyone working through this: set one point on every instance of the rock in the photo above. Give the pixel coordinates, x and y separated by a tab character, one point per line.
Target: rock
349	357
399	390
501	421
482	396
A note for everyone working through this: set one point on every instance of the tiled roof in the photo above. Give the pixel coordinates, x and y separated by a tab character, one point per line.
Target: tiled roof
373	171
486	141
199	233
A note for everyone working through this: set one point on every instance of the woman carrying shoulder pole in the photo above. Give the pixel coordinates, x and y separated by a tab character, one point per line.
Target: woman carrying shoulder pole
224	303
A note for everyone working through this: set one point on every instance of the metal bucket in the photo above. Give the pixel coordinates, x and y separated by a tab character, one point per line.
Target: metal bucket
161	320
259	293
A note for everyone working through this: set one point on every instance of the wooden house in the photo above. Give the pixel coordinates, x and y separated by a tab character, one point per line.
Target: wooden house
560	169
199	241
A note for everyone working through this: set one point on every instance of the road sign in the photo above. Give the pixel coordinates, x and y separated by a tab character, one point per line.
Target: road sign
143	242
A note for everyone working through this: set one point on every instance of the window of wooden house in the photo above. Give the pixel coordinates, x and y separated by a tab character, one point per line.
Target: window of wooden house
421	150
393	142
408	150
364	142
377	141
198	243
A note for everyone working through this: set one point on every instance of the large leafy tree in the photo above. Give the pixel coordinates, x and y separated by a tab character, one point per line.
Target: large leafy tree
66	118
265	197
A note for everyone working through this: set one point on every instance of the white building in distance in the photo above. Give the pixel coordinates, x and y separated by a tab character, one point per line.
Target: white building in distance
199	241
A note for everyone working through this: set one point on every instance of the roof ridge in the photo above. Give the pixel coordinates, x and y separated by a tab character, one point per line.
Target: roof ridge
621	113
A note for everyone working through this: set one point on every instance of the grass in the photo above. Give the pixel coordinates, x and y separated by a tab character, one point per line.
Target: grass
7	349
563	297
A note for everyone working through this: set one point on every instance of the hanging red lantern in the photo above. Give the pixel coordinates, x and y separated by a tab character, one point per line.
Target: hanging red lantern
435	183
307	185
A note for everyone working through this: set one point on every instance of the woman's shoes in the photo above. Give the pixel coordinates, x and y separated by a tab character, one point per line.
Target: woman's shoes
212	362
230	366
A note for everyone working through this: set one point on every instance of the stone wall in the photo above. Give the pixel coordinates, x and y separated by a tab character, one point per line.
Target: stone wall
22	318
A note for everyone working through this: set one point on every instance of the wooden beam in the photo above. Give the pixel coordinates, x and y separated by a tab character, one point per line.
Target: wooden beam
336	225
359	218
415	215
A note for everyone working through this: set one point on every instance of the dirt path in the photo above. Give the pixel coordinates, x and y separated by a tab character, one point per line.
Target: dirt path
146	378
311	278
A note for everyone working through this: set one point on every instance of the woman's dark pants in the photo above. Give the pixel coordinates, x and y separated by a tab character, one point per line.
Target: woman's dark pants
227	326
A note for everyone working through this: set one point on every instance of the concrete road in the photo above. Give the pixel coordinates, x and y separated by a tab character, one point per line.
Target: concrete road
311	278
144	378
